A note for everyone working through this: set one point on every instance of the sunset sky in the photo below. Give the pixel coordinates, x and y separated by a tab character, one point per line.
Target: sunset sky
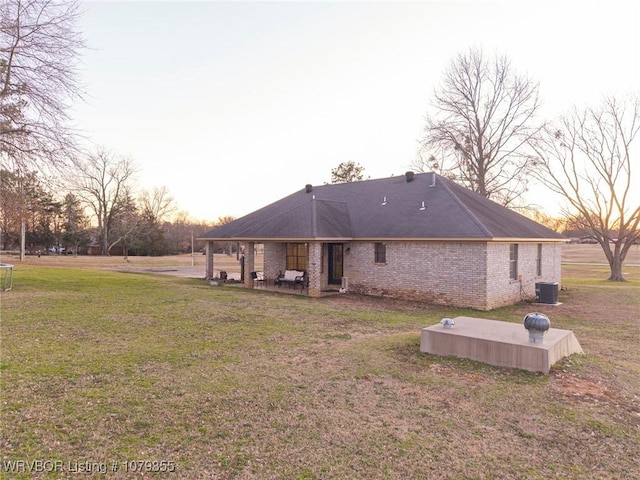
233	105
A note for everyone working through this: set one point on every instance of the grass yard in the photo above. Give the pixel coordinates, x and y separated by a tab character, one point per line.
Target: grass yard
165	373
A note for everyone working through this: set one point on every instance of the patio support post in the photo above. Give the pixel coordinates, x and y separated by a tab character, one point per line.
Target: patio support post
249	263
315	267
209	264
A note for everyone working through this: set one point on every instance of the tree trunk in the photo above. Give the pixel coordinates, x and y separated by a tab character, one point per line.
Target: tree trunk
105	242
616	268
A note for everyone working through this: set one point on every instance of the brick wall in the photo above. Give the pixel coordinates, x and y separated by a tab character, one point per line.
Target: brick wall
315	268
209	260
503	290
461	274
275	259
249	263
445	273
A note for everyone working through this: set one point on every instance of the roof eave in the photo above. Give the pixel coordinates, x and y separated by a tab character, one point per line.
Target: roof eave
529	240
278	239
387	239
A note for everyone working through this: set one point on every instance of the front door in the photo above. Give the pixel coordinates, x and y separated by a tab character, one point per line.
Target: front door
335	263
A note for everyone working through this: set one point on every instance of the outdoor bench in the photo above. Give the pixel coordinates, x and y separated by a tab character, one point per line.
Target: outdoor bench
291	277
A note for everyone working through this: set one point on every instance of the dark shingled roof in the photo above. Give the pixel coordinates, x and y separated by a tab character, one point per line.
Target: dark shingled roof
387	208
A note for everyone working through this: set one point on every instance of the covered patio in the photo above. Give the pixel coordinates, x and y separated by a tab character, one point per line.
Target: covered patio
270	287
321	263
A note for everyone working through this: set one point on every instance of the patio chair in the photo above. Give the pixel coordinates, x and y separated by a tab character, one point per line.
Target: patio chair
257	277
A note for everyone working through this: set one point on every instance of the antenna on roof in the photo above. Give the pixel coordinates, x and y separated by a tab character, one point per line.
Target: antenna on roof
384	201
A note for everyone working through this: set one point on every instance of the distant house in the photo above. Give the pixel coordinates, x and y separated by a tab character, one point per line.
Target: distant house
417	236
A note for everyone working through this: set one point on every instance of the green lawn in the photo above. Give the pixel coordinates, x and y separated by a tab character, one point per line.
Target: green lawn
221	382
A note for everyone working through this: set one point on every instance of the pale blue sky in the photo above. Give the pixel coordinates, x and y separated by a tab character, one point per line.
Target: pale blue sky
233	105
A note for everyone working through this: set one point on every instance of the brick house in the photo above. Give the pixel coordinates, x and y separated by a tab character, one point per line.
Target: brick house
416	236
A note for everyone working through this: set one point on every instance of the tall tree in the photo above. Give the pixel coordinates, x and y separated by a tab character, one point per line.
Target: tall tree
75	223
25	208
12	206
103	184
39	48
47	226
125	224
347	172
157	204
586	159
483	117
178	233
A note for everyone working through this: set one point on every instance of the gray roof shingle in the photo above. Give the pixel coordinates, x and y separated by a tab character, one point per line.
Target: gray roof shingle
387	208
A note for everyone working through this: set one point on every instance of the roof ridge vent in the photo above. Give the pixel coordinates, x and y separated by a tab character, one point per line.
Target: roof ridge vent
409	176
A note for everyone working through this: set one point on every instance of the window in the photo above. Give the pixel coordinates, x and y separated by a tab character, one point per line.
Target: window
539	261
513	261
297	254
380	255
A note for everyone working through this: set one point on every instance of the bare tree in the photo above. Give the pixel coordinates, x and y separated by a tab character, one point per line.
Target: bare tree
484	116
39	48
178	232
228	245
157	204
425	161
103	183
124	225
347	172
587	160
